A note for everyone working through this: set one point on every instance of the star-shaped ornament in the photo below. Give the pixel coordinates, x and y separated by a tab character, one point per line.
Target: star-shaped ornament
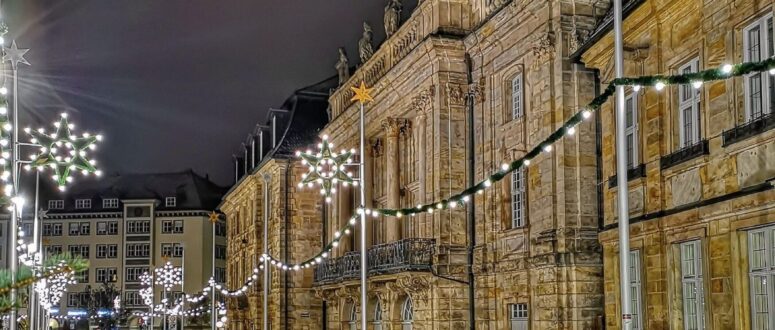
214	217
63	151
15	55
326	168
362	94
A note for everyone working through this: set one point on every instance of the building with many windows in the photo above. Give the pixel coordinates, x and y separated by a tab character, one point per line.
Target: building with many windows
126	225
701	167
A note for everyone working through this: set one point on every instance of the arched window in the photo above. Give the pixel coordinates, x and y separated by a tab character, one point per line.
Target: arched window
353	318
378	315
407	314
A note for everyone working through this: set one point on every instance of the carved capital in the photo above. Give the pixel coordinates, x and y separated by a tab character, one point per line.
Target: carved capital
394	126
377	149
477	90
424	100
543	50
455	94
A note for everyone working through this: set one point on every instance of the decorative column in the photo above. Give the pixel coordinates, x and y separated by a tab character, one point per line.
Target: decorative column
392	127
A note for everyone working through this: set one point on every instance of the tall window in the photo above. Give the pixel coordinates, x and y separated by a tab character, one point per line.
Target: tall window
83	203
79	250
220	252
110	203
220	275
407	314
518	316
378	315
631	128
353	317
759	86
517	99
138	250
691	285
107	251
174	250
518	200
107	228
635	290
133	298
689	107
220	229
761	265
138	227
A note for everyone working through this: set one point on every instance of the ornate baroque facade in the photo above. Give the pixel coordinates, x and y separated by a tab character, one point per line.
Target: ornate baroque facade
701	169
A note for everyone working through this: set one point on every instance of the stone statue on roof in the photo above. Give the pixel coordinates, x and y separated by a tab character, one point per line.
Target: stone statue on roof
392	17
343	67
365	50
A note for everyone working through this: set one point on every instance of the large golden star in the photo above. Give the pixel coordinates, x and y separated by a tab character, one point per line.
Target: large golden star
362	93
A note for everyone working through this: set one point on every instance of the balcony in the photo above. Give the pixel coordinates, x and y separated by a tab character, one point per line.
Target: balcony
411	254
683	155
749	129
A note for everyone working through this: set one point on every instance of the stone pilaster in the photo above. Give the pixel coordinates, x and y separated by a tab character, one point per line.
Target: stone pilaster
392	127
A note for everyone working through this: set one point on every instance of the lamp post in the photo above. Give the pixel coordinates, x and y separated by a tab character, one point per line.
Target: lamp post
621	175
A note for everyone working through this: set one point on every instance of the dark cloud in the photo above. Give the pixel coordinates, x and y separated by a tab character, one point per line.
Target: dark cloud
175	84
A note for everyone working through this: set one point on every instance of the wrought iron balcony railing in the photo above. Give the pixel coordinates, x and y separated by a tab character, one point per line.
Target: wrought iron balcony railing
411	254
755	126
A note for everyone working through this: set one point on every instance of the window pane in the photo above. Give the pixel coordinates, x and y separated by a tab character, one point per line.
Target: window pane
760	308
755	95
757	243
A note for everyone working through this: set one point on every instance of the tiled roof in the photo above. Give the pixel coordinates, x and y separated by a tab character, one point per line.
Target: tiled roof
191	191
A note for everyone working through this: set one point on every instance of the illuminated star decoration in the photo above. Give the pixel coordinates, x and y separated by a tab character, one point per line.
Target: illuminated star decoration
214	217
327	168
15	55
362	94
63	151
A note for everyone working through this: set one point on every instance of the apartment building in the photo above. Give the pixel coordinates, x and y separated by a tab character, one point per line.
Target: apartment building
126	225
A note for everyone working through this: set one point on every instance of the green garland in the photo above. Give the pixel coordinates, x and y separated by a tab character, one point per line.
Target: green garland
462	197
25	277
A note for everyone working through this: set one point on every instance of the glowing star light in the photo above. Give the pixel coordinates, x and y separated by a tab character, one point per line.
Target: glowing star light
362	94
63	151
326	168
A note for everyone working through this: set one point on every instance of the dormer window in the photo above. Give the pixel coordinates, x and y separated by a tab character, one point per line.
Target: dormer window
110	203
170	202
83	203
56	204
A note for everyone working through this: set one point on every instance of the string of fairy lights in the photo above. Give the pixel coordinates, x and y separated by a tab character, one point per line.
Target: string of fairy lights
328	169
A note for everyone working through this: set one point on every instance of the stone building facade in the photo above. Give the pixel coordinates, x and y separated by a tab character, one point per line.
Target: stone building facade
537	262
267	170
701	168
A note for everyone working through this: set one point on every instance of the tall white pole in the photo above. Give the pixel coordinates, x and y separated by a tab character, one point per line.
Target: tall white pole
621	175
213	292
15	183
33	313
362	178
265	307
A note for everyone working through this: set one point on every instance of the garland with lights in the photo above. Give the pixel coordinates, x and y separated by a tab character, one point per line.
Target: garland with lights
659	82
53	267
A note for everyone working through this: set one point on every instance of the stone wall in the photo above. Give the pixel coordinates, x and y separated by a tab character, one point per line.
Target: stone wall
714	197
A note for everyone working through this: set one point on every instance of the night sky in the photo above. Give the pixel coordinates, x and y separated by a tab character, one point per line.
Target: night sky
176	84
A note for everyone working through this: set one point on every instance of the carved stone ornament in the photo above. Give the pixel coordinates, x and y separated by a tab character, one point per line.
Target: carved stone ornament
377	149
477	89
455	94
424	100
417	287
543	50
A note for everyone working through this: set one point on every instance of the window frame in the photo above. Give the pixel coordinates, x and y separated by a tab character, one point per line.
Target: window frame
517	99
632	131
56	204
519	316
765	271
695	279
170	201
518	198
110	203
635	282
691	102
765	79
83	204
